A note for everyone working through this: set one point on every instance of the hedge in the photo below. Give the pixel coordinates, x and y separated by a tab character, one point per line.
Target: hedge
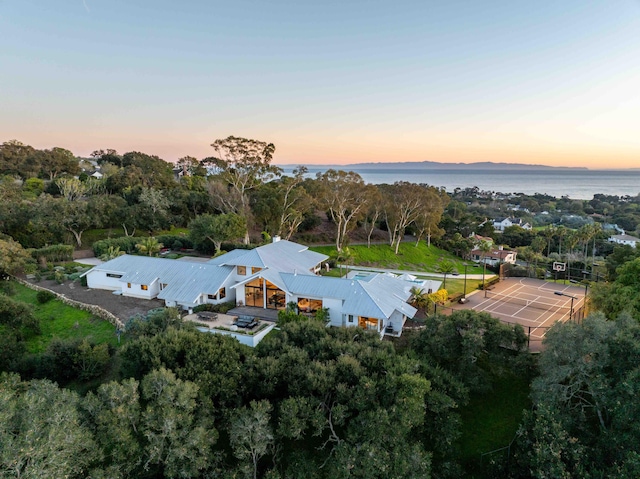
54	253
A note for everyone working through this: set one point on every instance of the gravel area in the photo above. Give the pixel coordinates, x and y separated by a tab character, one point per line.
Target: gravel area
121	306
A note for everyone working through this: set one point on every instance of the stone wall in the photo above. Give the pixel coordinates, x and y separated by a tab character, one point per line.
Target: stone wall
91	308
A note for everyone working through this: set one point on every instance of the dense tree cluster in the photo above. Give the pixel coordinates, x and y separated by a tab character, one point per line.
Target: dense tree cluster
308	402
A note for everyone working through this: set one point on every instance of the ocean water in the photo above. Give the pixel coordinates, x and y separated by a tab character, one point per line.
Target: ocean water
576	184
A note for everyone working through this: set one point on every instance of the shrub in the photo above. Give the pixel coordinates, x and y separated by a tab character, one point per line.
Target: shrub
54	253
44	296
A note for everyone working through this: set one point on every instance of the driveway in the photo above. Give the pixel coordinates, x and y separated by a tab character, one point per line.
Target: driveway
122	306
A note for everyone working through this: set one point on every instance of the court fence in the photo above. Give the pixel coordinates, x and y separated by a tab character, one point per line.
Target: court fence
535	334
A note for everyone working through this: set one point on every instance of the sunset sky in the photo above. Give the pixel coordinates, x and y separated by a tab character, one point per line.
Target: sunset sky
330	82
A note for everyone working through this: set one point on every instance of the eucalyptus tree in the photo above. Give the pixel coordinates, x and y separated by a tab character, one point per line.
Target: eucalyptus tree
239	166
344	196
403	204
374	213
427	222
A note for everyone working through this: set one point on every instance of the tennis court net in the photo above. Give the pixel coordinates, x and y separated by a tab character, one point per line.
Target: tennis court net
531	303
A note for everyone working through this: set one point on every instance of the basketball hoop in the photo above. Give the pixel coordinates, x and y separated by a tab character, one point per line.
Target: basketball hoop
558	266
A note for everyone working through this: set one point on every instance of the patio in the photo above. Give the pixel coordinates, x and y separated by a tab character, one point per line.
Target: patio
228	322
270	315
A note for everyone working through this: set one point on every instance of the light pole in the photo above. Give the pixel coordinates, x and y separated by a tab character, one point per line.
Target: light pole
560	293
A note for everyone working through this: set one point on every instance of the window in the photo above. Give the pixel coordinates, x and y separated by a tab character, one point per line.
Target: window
211	296
162	286
255	269
113	275
128	285
351	318
222	293
144	287
242	271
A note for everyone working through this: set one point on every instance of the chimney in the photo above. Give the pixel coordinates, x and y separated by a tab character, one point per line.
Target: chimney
275	239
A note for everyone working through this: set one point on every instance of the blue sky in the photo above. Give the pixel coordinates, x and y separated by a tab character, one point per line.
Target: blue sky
327	82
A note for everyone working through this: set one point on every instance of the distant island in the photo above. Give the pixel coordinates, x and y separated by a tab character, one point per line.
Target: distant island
435	165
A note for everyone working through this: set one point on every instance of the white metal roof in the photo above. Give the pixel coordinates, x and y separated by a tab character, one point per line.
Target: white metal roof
376	296
185	280
282	255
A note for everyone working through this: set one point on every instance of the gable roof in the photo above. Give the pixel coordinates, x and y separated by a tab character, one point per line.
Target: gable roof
185	280
281	255
376	296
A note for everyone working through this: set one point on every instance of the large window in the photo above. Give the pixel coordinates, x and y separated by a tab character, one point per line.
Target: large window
308	305
368	323
222	293
254	293
144	287
242	270
255	269
276	299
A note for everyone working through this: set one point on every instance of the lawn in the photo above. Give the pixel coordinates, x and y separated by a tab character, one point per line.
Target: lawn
57	320
490	420
410	257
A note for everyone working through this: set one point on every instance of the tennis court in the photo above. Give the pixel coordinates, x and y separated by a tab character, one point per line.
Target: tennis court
532	303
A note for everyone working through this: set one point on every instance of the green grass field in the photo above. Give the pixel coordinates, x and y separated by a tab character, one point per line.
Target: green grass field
490	420
410	257
57	320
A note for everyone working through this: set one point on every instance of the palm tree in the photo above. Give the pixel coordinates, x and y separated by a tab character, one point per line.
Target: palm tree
150	246
419	297
111	253
445	267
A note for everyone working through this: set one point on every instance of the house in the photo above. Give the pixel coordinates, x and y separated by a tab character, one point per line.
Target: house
477	239
494	257
268	277
624	239
499	224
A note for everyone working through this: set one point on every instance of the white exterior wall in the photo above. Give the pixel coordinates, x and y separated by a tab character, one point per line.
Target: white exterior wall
99	280
137	292
239	294
335	311
396	320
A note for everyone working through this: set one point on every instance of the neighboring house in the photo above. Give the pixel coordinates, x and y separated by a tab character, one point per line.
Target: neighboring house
499	224
495	256
268	277
95	174
180	171
478	239
624	239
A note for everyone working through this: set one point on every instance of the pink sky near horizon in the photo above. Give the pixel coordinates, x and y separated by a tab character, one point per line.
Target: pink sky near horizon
547	83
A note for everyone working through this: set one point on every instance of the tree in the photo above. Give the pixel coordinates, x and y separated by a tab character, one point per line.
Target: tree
216	228
344	195
13	258
115	415
71	188
178	434
149	245
111	253
445	267
191	165
16	158
57	161
295	203
251	435
403	205
429	216
75	217
374	212
41	432
242	164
